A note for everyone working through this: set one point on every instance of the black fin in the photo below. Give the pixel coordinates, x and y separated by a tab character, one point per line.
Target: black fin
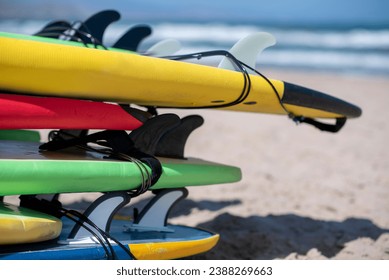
67	134
97	24
149	134
132	38
172	143
54	29
72	133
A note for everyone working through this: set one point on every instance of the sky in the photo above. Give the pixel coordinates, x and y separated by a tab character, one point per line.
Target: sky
278	12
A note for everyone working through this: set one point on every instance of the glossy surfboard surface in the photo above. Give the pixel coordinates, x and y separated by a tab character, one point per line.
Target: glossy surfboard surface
26	170
22	225
31	112
180	242
47	69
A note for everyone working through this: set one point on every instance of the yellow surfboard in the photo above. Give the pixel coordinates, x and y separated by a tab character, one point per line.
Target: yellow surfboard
22	225
41	68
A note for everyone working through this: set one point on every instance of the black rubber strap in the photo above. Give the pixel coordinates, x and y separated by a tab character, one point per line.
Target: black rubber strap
340	122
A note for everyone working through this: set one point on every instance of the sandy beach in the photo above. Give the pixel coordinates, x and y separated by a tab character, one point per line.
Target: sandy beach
305	194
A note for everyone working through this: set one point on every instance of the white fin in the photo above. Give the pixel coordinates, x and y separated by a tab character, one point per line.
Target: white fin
248	48
164	48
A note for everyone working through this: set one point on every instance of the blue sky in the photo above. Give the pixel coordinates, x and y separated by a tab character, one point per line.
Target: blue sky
282	12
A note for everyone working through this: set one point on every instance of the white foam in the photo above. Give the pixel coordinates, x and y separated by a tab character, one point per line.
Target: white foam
361	49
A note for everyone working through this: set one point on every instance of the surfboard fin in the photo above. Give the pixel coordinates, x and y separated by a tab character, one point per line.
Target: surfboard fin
53	29
247	49
97	24
133	37
147	136
164	48
89	31
154	215
165	135
101	213
172	143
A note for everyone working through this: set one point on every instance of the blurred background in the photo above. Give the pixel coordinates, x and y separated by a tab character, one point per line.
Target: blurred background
342	36
304	194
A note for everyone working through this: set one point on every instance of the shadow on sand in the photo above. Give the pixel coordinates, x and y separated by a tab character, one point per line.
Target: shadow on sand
277	236
268	237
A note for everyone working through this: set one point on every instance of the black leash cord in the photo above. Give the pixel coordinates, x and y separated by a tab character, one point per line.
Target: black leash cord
103	240
66	32
55	208
109	253
246	90
96	43
246	77
290	114
147	177
241	66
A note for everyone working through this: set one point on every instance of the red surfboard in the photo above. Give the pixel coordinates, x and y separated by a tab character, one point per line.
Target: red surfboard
30	112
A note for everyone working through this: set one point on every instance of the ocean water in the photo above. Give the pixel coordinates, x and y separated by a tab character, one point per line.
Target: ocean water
346	50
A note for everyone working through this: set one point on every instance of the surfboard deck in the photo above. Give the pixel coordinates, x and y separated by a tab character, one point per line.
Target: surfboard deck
29	112
41	68
25	170
180	242
22	225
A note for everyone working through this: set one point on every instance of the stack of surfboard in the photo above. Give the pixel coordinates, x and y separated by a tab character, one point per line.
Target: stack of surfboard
64	78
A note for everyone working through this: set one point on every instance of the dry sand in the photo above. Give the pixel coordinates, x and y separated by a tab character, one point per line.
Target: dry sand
305	194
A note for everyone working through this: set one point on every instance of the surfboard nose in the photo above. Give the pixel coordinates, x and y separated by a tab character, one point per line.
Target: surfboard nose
305	97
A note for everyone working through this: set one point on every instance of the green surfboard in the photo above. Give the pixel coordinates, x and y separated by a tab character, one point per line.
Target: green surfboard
57	41
26	170
20	135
